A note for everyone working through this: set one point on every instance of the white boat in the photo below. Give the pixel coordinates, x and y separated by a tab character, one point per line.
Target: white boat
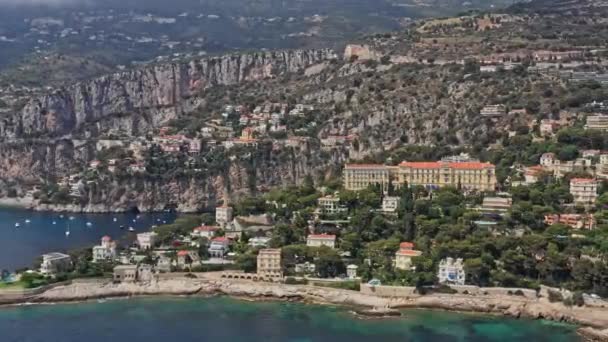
17	225
72	217
115	219
134	220
89	224
27	221
67	233
61	216
54	222
131	229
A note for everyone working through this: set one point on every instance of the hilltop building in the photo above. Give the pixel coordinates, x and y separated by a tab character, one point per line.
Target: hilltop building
330	204
599	122
318	240
466	175
576	221
223	215
584	190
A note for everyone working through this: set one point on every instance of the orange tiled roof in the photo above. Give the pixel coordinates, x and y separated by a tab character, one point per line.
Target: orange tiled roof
437	165
364	166
409	252
406	245
582	180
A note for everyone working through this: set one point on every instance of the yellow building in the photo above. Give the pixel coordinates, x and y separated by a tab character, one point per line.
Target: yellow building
360	176
403	257
269	264
466	175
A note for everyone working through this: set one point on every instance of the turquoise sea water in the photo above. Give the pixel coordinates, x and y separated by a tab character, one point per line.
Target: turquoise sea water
20	246
226	319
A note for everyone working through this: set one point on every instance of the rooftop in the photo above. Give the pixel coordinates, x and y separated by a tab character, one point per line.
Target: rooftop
322	236
451	165
583	180
406	245
408	252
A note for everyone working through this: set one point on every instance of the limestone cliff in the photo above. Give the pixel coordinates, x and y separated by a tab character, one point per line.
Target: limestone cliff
144	98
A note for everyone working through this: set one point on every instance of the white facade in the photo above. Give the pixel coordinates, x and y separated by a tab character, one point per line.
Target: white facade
223	214
351	271
390	204
451	271
205	231
106	251
330	204
53	263
260	241
583	190
146	240
599	122
319	240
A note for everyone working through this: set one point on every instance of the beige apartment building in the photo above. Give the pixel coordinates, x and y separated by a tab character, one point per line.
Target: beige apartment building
599	122
466	175
269	264
584	190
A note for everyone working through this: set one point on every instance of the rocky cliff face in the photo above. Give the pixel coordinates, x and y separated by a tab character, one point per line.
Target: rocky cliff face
140	99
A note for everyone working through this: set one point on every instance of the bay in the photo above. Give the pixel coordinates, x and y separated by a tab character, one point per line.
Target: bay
20	246
226	319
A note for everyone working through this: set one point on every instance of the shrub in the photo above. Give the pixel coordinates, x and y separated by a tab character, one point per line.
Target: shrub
555	296
519	293
445	289
294	281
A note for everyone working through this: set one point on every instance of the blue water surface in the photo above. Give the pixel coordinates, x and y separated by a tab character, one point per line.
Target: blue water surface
19	246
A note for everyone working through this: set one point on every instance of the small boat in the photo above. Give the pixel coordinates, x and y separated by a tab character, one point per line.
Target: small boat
138	216
131	229
164	222
67	233
27	221
54	222
115	219
157	220
72	217
61	216
89	224
122	226
17	225
134	220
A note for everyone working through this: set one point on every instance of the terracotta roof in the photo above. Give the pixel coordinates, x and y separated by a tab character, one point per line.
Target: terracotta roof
322	236
408	252
220	239
183	253
406	245
106	238
582	180
364	166
438	165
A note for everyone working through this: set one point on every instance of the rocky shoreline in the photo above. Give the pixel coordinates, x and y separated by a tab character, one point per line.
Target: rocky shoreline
593	320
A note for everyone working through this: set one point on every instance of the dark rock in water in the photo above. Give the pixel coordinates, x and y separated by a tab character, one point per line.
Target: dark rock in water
379	312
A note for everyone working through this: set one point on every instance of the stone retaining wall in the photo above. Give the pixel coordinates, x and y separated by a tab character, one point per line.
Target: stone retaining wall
389	291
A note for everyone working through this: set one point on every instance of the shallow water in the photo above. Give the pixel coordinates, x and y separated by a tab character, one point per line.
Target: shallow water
226	319
20	246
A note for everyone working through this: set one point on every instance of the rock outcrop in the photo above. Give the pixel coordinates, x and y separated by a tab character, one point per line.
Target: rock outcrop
146	97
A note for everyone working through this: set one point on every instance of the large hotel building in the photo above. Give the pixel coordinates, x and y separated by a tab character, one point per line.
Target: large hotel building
466	175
